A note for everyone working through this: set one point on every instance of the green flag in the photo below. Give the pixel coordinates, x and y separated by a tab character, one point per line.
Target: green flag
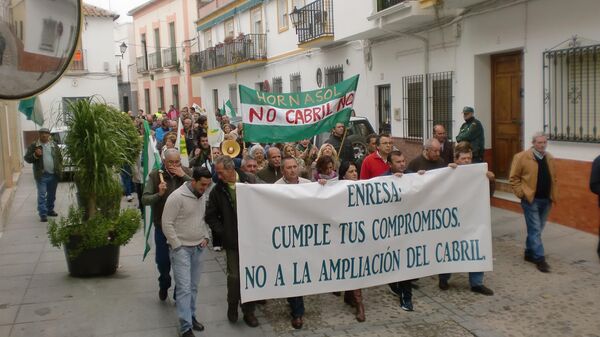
32	108
228	109
271	118
150	161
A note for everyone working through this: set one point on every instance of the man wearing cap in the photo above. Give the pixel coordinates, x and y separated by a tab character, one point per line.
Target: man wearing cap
46	158
472	131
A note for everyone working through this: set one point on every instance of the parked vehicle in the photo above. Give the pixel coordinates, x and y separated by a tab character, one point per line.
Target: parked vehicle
358	130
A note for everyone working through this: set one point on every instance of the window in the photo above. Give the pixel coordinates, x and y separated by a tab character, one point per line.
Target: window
384	108
48	35
229	28
175	93
282	15
413	107
172	35
439	102
233	97
208	38
260	86
147	100
572	94
277	85
295	83
161	98
334	75
256	20
215	99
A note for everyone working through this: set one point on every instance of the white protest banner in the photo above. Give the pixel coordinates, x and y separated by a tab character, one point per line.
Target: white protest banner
306	239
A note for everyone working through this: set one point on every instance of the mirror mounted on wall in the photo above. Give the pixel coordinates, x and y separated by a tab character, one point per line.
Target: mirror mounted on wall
37	41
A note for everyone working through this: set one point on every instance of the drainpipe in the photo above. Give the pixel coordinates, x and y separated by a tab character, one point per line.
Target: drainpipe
425	68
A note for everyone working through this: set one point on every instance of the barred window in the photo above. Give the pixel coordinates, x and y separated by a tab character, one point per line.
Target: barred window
334	75
413	107
295	83
572	94
439	102
277	85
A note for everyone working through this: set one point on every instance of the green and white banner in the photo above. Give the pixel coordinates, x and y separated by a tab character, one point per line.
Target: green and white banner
271	117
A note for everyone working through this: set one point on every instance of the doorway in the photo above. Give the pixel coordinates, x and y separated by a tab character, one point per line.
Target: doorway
507	120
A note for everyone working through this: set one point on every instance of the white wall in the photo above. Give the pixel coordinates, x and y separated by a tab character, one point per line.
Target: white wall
62	11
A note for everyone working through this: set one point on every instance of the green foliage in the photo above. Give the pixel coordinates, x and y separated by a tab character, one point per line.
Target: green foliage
101	140
97	231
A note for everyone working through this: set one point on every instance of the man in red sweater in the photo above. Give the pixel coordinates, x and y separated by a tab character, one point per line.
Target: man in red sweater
376	164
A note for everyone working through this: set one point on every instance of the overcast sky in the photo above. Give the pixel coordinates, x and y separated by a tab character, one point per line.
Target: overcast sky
119	6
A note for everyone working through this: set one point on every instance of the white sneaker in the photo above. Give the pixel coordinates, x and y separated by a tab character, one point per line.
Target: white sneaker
217	248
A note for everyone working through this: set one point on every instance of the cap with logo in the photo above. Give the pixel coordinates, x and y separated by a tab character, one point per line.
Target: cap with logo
468	109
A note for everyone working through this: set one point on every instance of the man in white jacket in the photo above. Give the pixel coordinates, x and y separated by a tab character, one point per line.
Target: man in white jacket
187	235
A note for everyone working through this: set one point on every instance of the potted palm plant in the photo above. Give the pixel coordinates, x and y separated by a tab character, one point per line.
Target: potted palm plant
101	140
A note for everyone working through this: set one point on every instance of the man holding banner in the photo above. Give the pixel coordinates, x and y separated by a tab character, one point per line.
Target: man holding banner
221	216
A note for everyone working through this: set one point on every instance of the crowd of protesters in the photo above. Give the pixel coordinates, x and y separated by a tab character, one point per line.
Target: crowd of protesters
195	205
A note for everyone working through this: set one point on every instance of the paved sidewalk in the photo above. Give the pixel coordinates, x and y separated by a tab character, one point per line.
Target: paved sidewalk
38	298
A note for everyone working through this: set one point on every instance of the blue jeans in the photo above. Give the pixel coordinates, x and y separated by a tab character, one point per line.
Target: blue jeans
536	214
126	180
187	266
475	278
162	258
297	306
46	188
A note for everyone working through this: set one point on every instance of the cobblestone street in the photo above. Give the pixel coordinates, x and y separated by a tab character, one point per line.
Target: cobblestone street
38	298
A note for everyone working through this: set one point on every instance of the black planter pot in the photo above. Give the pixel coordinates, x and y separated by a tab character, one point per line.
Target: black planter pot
101	261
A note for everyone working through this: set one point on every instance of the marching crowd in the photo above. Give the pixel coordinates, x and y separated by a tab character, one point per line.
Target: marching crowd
196	205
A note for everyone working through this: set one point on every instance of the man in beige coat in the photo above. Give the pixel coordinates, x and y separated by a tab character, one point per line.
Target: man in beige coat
533	180
187	235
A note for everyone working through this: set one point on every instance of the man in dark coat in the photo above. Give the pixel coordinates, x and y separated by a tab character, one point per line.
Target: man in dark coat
221	216
447	149
344	149
272	172
595	184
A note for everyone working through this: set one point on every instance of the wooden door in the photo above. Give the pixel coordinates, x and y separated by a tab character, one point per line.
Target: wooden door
506	110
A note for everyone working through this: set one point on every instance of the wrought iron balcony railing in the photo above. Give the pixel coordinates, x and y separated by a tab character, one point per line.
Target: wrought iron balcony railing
169	57
154	60
313	21
385	4
247	47
141	64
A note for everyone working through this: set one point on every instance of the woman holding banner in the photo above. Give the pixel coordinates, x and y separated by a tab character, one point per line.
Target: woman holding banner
348	171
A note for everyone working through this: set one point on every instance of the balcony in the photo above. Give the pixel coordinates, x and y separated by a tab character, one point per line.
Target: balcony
141	64
169	57
245	51
385	4
78	63
154	61
314	23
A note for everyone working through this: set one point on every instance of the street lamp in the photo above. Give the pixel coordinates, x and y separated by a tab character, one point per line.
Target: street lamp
123	48
295	16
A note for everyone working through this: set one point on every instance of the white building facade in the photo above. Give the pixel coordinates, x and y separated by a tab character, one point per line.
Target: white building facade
163	38
126	71
524	66
92	71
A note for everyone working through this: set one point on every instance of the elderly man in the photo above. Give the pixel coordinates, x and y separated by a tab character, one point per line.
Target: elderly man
376	164
533	180
472	131
221	216
46	158
187	235
344	149
429	159
291	176
463	156
271	173
446	149
161	183
249	165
